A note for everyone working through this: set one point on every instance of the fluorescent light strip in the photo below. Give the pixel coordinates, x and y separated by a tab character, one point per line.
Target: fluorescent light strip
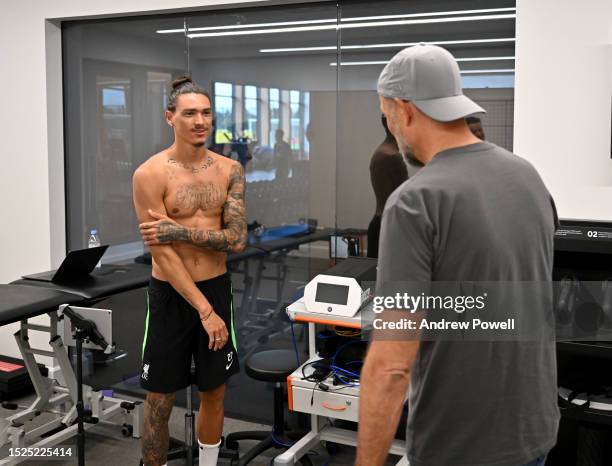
435	13
384	62
319	21
360	63
439	42
353	26
300	49
485	58
388	46
509	70
245	26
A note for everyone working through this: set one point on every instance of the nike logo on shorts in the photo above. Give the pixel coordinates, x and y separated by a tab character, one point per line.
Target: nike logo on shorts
230	359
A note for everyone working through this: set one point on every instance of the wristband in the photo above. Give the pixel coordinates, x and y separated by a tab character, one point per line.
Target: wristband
204	319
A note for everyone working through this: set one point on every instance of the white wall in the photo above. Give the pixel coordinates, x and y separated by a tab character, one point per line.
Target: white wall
563	92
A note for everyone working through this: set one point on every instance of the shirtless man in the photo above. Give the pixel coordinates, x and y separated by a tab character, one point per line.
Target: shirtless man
190	202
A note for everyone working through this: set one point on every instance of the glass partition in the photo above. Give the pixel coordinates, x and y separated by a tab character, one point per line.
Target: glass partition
480	34
294	99
264	93
274	113
116	80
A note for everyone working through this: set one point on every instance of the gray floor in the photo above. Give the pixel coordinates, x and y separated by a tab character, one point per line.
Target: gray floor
106	446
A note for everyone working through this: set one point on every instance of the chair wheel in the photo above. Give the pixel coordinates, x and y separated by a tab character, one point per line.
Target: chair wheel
127	430
305	461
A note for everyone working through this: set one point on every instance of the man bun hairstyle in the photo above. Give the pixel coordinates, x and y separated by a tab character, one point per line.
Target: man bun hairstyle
180	81
183	85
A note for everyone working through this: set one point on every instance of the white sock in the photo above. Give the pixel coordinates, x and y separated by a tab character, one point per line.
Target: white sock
208	453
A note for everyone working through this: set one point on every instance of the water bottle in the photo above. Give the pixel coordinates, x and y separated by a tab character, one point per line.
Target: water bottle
93	242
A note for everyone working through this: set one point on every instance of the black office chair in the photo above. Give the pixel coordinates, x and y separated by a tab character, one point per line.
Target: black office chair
268	366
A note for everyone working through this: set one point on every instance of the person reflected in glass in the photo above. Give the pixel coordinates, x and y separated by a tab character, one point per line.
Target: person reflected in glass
282	155
475	126
240	146
387	172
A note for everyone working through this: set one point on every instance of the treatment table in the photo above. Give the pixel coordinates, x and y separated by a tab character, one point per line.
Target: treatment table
25	299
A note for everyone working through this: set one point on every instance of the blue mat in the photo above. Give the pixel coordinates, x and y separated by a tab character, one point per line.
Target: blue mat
285	231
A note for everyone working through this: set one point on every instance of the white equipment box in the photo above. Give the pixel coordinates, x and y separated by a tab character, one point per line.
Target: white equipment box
338	402
342	290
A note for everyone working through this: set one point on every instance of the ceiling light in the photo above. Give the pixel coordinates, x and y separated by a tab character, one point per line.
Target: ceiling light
301	49
334	20
482	71
358	63
353	26
388	46
485	58
245	26
435	13
508	70
384	62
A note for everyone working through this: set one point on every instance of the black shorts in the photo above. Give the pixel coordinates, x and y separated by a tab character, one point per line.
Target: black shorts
174	333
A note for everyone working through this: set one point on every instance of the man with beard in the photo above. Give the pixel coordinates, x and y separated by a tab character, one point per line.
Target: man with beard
475	213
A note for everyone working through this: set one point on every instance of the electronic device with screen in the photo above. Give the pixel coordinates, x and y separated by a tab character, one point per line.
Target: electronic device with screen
101	321
77	265
340	291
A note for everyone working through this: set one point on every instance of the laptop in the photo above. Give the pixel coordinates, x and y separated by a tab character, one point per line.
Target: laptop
76	266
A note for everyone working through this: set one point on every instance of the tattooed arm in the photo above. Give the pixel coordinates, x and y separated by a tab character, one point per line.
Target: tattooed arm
231	238
148	190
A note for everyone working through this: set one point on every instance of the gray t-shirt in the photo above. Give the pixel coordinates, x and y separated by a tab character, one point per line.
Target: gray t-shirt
475	213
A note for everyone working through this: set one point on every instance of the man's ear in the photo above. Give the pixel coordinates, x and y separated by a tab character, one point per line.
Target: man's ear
405	111
168	115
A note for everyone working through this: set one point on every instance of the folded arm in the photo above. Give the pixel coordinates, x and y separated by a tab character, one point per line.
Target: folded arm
231	238
148	196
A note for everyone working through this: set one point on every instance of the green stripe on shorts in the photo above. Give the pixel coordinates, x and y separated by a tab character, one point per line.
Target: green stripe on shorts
144	342
232	317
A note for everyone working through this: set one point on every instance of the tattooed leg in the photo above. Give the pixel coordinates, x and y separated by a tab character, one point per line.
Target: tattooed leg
156	437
